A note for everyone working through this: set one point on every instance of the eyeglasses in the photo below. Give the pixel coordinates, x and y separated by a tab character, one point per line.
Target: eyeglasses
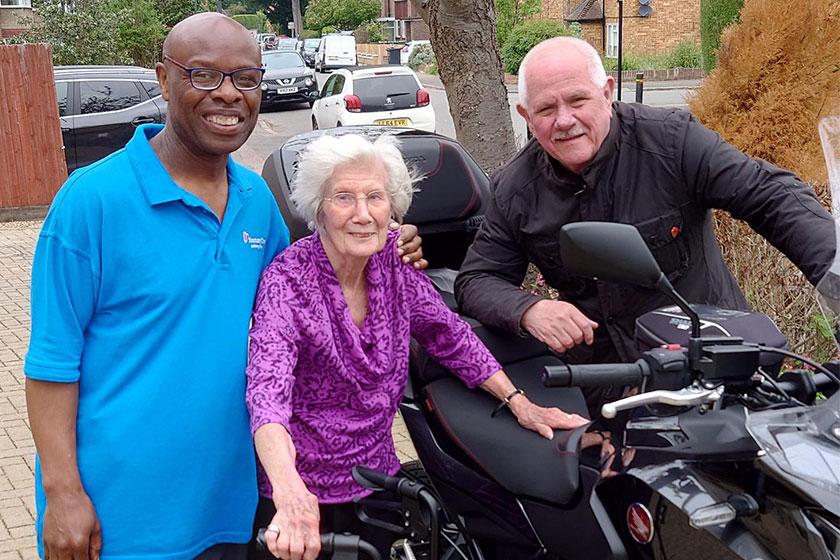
208	79
346	200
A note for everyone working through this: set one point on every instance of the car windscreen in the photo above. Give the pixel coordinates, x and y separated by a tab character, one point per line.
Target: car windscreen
280	61
311	44
386	93
287	44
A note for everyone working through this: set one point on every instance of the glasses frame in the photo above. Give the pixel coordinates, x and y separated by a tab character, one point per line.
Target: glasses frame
230	74
358	198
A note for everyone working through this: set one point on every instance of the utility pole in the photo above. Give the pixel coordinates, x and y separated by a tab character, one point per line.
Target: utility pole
620	27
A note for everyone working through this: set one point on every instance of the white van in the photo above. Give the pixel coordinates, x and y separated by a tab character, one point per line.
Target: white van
335	51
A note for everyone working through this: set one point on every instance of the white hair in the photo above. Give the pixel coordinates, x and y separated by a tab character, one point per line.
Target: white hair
318	162
557	44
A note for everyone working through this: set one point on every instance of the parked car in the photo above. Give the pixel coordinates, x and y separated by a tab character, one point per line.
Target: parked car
335	51
310	51
380	95
287	79
267	41
286	44
408	48
100	106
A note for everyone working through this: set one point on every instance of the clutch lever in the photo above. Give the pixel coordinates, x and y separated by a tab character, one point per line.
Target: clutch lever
688	396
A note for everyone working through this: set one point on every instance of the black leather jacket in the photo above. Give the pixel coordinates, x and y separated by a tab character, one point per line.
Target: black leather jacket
662	171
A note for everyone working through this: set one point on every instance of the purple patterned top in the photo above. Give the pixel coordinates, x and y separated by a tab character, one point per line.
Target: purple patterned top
336	387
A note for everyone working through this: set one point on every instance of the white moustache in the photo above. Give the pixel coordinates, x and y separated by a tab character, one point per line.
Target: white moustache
577	131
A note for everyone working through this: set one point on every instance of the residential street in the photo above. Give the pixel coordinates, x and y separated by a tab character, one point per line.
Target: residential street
276	125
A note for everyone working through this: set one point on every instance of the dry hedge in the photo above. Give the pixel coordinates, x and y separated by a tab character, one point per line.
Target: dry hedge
778	73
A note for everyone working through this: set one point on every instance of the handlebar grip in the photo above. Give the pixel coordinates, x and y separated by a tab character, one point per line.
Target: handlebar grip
373	480
335	544
591	375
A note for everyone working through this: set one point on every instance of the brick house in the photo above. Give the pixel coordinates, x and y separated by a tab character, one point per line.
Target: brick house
13	13
403	21
649	26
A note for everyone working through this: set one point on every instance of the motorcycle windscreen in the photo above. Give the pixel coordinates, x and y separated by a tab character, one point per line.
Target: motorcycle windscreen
828	288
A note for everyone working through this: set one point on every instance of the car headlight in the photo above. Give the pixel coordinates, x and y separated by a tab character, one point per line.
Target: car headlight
308	82
264	86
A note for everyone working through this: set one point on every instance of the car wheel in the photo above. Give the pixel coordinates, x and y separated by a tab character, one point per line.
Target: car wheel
338	124
314	124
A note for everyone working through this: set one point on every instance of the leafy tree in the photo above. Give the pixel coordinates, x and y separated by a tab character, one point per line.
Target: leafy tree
525	36
140	32
86	34
173	11
343	14
510	13
253	21
715	16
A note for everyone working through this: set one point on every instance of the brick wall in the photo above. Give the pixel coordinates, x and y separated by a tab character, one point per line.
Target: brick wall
671	22
12	20
593	33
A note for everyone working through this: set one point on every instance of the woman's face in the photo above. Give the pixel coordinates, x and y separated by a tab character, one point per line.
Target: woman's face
356	211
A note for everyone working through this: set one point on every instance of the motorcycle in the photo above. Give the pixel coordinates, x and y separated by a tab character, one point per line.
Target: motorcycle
731	458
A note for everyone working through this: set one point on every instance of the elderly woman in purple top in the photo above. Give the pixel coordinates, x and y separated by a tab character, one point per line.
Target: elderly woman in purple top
330	344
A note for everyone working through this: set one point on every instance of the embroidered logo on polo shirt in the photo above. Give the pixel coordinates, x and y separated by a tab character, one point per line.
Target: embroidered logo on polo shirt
254	242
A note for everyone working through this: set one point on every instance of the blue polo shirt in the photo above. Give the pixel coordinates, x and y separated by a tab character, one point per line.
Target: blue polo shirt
144	298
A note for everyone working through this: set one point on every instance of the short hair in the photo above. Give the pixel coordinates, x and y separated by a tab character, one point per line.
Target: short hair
318	162
557	44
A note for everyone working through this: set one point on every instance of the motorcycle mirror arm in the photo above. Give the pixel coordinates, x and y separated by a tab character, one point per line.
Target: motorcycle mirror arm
664	285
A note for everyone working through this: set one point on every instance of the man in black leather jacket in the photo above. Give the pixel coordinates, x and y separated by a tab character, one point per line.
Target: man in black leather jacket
658	169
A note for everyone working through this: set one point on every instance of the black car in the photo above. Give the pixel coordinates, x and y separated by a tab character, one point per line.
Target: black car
309	50
101	106
287	79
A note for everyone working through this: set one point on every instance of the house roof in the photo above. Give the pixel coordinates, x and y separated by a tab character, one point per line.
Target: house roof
587	10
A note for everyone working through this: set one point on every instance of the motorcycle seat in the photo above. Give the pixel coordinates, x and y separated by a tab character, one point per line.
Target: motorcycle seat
519	460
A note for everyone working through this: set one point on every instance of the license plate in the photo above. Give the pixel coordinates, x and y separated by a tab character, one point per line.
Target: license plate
332	58
391	122
287	90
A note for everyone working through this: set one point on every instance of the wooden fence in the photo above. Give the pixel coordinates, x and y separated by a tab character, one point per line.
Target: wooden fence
374	53
32	165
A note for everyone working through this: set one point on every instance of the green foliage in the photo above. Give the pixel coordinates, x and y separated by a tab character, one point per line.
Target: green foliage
715	16
173	11
684	55
342	14
524	36
423	59
253	21
309	34
86	35
328	29
370	32
238	8
140	31
510	13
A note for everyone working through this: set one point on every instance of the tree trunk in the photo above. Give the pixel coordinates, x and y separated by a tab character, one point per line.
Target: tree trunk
463	36
297	17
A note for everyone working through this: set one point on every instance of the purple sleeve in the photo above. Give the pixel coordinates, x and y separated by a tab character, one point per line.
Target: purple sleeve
273	352
444	335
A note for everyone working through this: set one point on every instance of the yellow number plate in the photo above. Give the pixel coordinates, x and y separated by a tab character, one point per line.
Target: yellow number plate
391	122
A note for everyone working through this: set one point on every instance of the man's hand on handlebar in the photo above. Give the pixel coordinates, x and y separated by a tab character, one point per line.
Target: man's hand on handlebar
294	531
543	420
558	324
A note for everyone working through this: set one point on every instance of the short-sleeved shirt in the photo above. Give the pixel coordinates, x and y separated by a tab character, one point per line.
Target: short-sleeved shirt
142	296
333	385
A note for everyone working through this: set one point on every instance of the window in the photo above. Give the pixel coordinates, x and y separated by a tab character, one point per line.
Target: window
61	89
102	96
152	88
612	40
15	3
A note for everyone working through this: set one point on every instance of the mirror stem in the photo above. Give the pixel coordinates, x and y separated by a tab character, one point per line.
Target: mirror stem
664	286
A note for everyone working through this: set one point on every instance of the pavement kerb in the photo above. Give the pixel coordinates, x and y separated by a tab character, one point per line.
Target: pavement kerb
434	82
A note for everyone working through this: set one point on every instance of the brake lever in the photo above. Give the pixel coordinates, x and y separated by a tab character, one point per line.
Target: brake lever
688	396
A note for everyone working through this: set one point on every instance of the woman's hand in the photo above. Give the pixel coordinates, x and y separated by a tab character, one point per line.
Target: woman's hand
294	532
409	245
543	420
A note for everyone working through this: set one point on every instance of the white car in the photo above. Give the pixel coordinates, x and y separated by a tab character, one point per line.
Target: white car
378	95
408	48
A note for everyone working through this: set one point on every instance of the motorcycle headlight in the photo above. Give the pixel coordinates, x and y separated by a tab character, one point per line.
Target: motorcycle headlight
308	82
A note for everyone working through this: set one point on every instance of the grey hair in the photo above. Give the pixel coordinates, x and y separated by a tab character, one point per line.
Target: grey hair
596	68
318	162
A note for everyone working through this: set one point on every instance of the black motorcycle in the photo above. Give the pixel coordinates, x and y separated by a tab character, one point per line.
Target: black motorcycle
730	457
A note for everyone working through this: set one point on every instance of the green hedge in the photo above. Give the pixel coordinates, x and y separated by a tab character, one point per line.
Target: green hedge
252	21
525	36
715	16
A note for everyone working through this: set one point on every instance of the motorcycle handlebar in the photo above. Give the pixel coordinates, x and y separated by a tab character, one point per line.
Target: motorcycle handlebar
335	544
589	375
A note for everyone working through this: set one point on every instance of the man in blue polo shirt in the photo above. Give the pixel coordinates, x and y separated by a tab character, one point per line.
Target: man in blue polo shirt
142	288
